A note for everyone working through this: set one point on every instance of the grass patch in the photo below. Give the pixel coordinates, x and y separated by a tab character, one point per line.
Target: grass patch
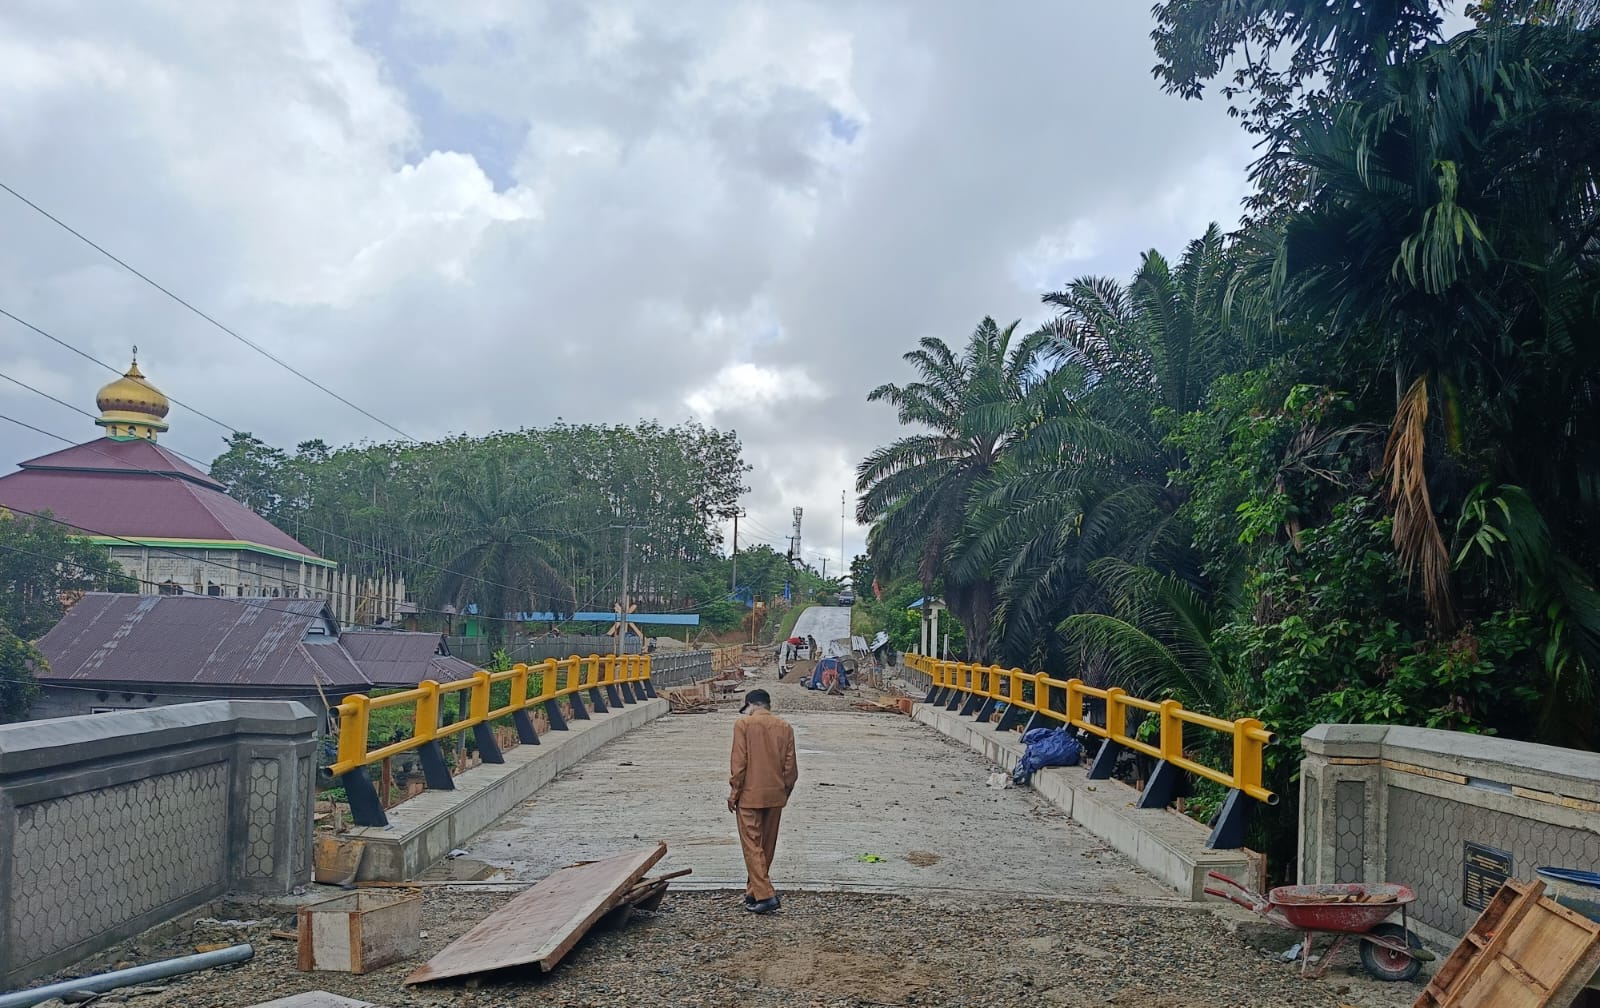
786	625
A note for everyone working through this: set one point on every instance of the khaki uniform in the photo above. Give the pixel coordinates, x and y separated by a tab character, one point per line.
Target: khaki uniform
762	774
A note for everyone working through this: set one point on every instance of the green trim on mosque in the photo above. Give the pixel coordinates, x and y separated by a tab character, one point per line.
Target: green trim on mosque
234	544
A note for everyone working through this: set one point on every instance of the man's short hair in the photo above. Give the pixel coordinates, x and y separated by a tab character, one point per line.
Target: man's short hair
756	698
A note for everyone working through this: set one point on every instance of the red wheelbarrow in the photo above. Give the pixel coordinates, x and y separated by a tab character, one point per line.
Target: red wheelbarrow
1351	910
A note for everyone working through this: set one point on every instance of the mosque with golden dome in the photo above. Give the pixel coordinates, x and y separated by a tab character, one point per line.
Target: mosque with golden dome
170	526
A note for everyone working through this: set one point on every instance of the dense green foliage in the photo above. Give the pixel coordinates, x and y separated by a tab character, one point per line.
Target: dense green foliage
41	568
531	520
1342	464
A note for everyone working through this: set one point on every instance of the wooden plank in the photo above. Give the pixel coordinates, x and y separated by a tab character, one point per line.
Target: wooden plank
1469	953
544	923
1523	952
316	999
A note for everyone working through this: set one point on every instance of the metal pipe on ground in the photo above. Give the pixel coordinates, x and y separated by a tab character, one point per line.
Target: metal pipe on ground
102	982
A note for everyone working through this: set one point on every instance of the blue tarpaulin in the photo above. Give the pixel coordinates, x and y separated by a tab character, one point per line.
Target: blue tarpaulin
1046	747
815	679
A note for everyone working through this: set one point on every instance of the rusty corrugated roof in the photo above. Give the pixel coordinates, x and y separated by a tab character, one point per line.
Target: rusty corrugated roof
198	640
403	657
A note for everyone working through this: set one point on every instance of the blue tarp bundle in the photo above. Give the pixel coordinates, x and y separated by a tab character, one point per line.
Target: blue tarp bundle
815	680
1046	747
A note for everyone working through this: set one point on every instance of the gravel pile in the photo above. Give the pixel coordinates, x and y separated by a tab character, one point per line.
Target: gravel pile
820	950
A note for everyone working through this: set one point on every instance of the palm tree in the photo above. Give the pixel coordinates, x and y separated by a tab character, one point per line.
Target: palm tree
1091	477
1448	262
971	409
495	525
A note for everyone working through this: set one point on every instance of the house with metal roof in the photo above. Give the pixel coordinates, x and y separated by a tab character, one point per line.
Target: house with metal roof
173	528
120	652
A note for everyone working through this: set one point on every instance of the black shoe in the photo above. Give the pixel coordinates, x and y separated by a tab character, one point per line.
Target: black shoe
748	899
763	906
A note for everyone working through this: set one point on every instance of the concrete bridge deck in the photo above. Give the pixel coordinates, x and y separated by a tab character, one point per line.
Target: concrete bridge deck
870	785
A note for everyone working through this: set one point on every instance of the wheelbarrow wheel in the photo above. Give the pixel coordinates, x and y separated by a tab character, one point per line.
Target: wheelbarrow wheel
1387	963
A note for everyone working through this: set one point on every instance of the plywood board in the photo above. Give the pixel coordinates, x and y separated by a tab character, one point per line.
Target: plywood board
544	923
316	999
1523	952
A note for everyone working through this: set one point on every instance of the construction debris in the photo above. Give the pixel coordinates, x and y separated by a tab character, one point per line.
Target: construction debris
878	706
358	932
542	925
1523	952
688	702
335	860
317	999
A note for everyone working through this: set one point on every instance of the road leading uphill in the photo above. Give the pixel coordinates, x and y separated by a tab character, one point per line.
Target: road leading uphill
825	623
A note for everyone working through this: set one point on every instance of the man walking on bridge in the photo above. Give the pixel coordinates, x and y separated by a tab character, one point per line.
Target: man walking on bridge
762	775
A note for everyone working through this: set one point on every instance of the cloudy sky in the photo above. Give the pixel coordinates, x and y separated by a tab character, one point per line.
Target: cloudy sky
485	215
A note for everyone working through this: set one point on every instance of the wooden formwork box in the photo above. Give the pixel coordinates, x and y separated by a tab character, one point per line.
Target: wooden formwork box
360	931
1523	952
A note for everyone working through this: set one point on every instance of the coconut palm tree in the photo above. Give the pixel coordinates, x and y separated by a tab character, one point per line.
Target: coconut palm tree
969	411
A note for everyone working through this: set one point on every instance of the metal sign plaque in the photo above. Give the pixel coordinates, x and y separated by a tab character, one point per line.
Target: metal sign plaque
1483	871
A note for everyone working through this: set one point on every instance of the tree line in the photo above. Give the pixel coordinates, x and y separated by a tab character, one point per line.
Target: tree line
1339	464
533	520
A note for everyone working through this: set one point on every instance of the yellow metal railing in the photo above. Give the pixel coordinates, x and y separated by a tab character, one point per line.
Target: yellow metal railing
553	678
1247	736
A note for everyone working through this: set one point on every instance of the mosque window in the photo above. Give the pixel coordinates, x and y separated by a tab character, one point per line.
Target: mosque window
214	590
171	588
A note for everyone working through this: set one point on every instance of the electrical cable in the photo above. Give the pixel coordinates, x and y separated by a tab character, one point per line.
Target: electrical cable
396	556
257	348
202	466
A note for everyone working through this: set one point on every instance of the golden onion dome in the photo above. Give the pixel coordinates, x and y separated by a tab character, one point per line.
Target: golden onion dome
130	406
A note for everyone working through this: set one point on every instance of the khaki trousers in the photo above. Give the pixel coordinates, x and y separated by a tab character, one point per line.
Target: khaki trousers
758	837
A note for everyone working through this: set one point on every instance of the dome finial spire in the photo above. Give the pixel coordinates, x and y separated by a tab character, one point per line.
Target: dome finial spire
131	407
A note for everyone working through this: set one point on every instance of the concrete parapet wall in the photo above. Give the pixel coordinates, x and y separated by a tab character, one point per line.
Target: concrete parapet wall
110	823
1399	804
424	829
1171	847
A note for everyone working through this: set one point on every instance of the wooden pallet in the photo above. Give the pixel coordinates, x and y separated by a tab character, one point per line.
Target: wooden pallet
1523	952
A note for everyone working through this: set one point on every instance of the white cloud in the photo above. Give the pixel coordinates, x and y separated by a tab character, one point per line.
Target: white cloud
482	216
750	388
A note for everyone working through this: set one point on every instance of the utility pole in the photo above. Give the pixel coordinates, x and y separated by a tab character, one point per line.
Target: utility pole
622	613
733	578
843	563
824	568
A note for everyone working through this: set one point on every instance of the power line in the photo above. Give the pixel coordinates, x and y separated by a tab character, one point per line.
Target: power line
187	557
382	554
97	361
254	346
362	547
280	580
232	600
120	688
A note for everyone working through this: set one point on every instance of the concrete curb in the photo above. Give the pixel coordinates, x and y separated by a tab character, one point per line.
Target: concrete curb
1171	847
426	828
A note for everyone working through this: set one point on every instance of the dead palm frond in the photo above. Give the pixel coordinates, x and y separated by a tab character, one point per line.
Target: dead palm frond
1417	540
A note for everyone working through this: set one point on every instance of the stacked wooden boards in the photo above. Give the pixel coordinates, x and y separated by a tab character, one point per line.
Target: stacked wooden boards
1523	952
